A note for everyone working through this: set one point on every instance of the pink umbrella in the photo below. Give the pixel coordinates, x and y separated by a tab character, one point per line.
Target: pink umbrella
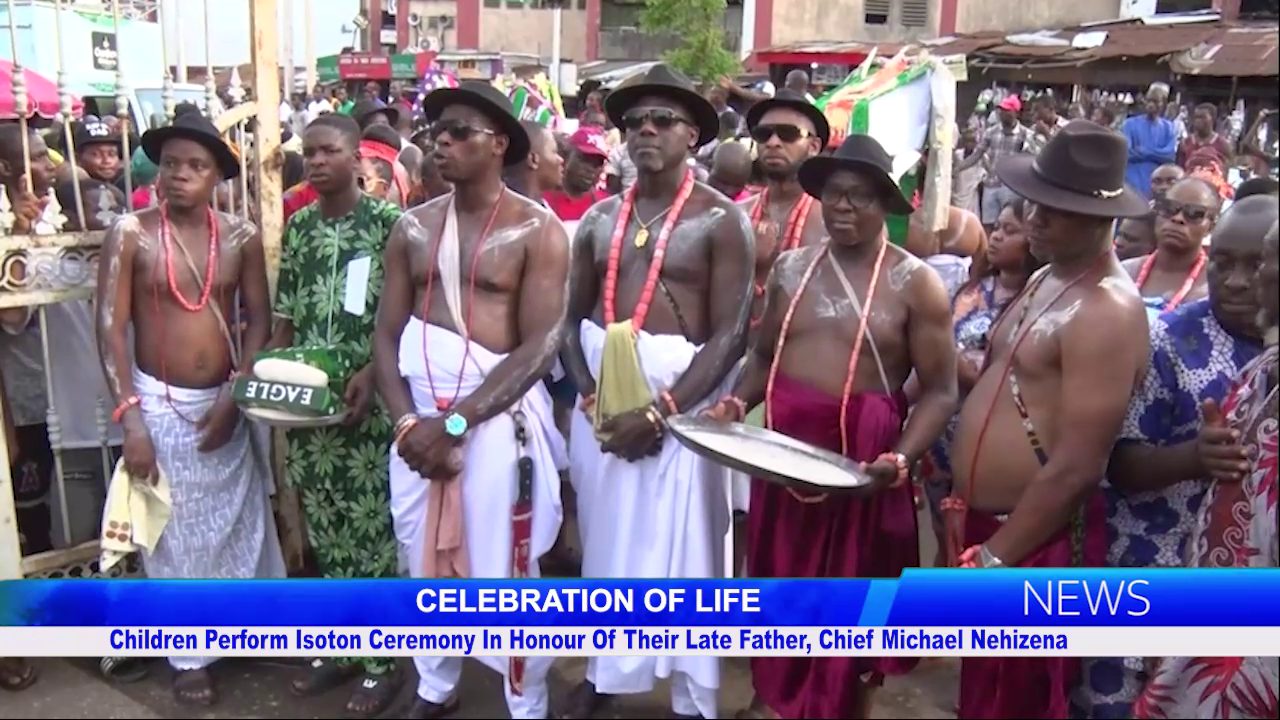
42	95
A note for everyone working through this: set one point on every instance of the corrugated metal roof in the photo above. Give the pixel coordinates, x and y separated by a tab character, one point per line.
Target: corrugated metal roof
1206	47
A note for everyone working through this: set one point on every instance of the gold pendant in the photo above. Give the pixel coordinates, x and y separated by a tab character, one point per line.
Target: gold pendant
642	237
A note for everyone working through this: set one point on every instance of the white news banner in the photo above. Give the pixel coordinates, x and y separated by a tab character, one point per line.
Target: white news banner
604	641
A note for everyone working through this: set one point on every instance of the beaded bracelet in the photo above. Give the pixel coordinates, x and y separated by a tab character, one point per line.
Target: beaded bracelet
123	407
738	405
655	417
402	429
670	402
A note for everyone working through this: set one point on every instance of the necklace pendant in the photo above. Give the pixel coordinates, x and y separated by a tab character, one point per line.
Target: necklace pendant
442	405
642	237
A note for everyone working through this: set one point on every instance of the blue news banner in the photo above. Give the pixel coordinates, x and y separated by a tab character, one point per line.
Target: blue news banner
926	612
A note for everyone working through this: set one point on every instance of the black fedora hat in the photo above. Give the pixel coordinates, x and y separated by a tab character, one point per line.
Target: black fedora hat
1080	170
863	154
362	110
664	81
489	100
196	128
792	101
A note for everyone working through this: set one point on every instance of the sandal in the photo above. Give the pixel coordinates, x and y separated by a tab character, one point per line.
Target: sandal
374	694
425	710
321	676
583	701
194	687
124	670
16	674
756	711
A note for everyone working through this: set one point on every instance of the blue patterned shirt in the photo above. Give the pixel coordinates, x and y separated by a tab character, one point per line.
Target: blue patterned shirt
1193	358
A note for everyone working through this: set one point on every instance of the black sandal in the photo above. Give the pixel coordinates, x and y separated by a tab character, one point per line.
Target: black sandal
374	694
16	674
194	687
583	701
124	670
425	710
321	676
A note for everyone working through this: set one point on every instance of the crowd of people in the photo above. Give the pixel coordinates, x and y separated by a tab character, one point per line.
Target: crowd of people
1095	386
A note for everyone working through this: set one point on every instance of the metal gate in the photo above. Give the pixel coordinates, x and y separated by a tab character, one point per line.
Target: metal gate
48	267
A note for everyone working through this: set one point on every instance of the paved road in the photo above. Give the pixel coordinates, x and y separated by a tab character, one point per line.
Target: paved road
73	689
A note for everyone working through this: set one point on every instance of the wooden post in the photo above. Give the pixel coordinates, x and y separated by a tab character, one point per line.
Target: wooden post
267	164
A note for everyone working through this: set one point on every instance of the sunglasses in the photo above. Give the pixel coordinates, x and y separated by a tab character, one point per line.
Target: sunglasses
1170	209
662	118
457	130
856	197
786	133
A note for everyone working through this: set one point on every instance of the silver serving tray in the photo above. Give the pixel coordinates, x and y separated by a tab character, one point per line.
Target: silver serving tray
698	433
281	419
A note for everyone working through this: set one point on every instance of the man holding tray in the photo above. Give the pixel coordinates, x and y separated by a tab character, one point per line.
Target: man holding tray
330	279
875	313
470	320
677	255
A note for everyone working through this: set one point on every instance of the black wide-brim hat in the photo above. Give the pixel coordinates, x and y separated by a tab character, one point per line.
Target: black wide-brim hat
666	82
196	128
363	109
791	100
1080	170
860	154
488	100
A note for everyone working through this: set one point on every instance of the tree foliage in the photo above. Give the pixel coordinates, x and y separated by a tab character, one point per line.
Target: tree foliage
700	26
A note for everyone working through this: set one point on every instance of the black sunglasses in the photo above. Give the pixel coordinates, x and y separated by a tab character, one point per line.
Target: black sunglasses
1167	208
457	130
785	132
662	118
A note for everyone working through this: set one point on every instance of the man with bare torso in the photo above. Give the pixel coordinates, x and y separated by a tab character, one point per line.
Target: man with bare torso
470	321
1035	433
172	275
844	325
1175	272
662	275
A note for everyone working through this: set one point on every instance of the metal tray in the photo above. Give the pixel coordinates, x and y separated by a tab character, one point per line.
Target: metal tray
281	419
783	458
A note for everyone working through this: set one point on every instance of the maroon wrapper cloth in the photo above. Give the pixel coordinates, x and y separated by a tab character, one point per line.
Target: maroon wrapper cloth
1027	687
445	552
838	537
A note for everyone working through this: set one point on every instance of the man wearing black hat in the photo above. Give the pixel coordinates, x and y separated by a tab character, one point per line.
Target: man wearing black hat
470	319
845	323
661	274
1038	428
98	150
787	130
374	112
172	275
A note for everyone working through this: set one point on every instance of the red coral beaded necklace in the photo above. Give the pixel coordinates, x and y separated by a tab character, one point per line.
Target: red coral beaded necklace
1187	284
641	311
794	229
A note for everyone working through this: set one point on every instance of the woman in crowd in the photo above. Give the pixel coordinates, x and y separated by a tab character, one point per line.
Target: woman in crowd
976	305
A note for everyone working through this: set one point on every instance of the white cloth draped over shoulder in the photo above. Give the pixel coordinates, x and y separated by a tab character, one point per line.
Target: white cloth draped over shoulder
661	517
488	477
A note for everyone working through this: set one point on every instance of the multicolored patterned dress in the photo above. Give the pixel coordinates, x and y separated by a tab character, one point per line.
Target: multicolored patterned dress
1193	358
341	472
1236	528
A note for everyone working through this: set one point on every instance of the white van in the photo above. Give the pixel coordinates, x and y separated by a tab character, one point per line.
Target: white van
146	103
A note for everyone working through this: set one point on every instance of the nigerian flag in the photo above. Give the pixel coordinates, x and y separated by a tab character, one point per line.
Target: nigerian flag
894	104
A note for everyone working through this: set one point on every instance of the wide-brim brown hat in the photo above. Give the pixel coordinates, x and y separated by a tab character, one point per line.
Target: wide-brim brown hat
1080	170
791	100
862	154
664	81
488	100
196	128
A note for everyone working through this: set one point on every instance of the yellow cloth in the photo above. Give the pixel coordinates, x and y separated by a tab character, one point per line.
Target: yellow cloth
55	157
135	515
622	385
